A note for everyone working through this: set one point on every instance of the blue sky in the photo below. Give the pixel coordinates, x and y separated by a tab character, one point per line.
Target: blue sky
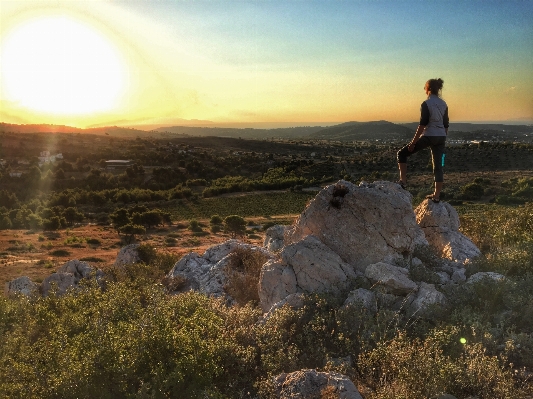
319	61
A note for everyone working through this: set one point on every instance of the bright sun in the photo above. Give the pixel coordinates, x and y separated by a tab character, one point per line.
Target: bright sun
58	65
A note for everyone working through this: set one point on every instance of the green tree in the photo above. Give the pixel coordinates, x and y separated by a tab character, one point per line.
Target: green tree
120	218
34	221
235	225
129	232
5	223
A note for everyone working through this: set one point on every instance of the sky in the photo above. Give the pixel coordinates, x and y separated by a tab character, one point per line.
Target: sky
262	63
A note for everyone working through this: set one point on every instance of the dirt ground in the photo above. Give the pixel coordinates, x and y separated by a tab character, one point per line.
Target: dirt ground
38	254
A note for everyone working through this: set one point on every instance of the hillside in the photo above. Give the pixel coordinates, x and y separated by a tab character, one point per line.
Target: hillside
350	131
248	133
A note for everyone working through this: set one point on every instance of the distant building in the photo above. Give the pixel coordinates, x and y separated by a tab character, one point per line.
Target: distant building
46	158
15	174
118	163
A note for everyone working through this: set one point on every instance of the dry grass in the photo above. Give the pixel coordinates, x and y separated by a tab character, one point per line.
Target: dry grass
242	274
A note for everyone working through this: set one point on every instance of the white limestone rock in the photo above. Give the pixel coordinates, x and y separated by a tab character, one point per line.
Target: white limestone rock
77	268
276	282
440	223
485	275
206	273
295	301
127	255
459	276
363	224
274	238
317	267
426	296
392	278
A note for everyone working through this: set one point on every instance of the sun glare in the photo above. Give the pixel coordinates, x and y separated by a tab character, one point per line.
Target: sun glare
58	65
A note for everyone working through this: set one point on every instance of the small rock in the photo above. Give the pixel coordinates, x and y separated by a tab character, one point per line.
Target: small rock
363	297
444	277
426	296
21	285
274	238
310	384
391	277
485	275
276	282
459	276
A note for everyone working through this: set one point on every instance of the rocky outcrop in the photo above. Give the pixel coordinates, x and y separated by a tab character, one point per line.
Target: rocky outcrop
311	384
206	273
363	224
69	276
127	255
347	235
440	223
21	285
393	278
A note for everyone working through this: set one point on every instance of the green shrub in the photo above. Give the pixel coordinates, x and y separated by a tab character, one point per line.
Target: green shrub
472	191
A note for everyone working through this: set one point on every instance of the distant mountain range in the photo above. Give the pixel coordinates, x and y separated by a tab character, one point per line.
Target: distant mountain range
348	131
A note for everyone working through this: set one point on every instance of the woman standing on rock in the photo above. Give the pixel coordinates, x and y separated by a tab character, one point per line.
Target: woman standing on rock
431	132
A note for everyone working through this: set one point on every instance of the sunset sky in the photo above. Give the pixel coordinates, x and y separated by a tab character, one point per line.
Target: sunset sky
262	63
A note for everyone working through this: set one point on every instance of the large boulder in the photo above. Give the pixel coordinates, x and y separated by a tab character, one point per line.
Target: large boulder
393	278
21	285
61	282
363	224
311	384
206	273
440	223
127	255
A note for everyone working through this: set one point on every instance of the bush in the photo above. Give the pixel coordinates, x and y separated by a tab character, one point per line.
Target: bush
472	191
235	225
60	252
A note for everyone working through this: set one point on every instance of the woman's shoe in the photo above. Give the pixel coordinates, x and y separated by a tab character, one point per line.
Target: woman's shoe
402	184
